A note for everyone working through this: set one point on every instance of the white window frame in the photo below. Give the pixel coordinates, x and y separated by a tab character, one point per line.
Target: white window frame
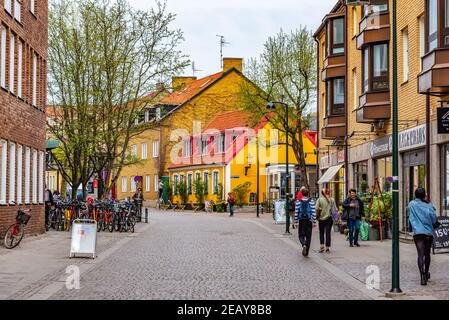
187	148
355	21
34	178
124	184
215	182
147	116
17	10
12	65
355	96
12	173
156	183
133	184
3	58
32	7
27	174
144	151
422	39
206	181
147	183
190	182
41	176
19	173
405	55
35	79
134	150
8	5
19	68
155	148
3	171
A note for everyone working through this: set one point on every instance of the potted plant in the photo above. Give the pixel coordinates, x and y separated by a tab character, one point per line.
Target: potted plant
220	205
181	188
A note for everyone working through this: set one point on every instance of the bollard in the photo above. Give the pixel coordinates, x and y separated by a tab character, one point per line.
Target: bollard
146	215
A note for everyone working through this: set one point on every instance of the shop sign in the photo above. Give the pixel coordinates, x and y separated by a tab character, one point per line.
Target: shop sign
412	138
382	147
443	120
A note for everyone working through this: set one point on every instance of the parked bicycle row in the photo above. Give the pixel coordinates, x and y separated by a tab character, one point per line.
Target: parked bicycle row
109	215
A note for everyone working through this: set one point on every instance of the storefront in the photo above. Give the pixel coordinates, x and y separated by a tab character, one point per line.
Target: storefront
383	162
333	175
413	154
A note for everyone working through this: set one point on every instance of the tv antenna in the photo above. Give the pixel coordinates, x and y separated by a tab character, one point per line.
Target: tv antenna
194	69
222	44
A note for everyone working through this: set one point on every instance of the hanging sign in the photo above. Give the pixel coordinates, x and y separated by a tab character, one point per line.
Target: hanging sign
412	138
443	120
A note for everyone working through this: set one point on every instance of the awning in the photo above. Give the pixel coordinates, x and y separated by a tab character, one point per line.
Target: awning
52	144
329	174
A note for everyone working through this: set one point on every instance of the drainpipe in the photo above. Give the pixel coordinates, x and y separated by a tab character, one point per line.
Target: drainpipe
346	107
317	149
428	164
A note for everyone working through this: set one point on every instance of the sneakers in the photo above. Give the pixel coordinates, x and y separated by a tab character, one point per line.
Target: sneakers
351	245
304	251
321	250
357	244
328	251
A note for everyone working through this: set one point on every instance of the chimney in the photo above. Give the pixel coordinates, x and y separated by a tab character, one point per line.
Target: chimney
179	83
229	63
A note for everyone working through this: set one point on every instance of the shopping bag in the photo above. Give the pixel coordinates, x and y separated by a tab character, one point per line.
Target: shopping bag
364	230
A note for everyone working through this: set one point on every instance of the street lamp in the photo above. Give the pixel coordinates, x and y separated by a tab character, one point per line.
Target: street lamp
272	106
395	201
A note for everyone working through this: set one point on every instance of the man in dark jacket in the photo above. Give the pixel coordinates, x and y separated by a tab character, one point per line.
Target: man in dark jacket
354	211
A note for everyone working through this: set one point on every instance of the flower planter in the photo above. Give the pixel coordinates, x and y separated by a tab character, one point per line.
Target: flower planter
373	234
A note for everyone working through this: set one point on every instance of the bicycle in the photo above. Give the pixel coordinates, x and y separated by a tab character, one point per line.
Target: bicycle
15	232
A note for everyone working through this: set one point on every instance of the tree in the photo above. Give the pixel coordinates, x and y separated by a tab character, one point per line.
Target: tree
102	66
181	188
241	193
285	72
199	190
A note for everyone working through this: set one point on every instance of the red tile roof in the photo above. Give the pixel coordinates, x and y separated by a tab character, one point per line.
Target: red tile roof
229	120
182	96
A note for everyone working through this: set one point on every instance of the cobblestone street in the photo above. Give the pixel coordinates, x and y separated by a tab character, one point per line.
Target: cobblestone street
199	256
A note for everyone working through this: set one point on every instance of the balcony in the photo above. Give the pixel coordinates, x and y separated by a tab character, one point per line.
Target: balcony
374	28
374	106
434	77
334	67
334	126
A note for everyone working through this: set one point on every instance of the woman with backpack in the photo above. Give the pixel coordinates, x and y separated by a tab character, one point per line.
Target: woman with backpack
423	218
305	220
325	206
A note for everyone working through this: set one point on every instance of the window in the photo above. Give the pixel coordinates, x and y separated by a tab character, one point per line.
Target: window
384	170
147	116
34	80
3	59
27	174
175	184
405	55
11	62
19	68
32	7
361	176
354	21
375	68
41	177
188	148
133	184
197	176
204	146
144	151
336	96
8	6
147	184
155	148
156	182
337	36
34	178
181	178
215	182
19	173
136	120
12	172
3	159
206	182
189	183
17	10
134	150
354	88
375	7
422	39
124	184
437	24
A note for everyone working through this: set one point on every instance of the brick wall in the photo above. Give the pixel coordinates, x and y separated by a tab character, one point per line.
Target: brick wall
21	122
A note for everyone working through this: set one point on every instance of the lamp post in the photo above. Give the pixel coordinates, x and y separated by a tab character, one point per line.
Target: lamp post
395	288
271	106
258	178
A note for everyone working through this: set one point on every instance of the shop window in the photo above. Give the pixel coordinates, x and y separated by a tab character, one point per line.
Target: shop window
384	171
361	176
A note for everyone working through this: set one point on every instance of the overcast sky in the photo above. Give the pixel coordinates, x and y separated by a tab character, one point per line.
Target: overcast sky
246	24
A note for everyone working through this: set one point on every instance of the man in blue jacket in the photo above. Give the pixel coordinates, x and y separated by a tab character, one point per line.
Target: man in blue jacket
422	217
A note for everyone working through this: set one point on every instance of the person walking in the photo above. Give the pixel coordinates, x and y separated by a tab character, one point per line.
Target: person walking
422	217
324	215
138	200
354	212
305	220
231	202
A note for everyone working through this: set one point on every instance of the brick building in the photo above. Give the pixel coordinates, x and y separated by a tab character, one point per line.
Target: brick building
354	46
23	59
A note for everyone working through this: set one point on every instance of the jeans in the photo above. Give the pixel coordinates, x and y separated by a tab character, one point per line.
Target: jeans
305	232
231	209
423	245
354	228
325	230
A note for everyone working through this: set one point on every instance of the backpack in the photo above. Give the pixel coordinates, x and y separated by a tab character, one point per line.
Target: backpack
231	199
305	211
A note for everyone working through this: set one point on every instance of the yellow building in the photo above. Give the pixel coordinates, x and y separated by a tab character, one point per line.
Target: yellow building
354	46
